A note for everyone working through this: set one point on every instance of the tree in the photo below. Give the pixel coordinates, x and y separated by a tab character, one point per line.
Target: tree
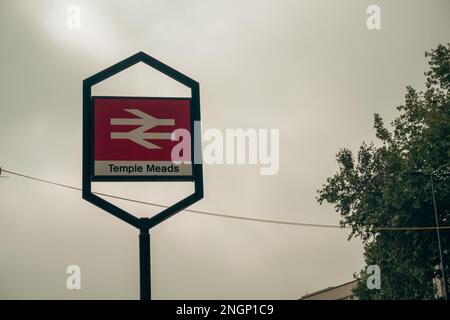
376	190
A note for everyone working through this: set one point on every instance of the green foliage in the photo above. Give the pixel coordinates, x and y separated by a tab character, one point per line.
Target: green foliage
376	189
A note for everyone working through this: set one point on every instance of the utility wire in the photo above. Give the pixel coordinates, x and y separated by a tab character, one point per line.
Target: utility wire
164	206
303	224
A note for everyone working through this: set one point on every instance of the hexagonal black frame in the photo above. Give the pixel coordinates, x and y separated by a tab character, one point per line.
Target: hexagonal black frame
144	224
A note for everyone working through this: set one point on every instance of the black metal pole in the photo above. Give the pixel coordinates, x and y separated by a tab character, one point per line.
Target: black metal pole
144	260
436	217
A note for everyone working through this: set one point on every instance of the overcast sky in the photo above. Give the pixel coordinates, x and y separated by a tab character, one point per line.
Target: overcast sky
311	69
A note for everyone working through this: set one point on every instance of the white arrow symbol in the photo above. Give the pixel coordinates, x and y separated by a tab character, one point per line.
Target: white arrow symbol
139	135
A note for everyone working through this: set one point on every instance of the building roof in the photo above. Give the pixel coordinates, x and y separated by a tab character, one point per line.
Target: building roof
350	284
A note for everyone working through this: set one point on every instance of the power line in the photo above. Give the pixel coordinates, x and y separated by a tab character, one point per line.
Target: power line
303	224
164	206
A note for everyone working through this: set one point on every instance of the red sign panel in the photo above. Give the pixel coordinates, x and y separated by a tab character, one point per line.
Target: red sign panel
134	136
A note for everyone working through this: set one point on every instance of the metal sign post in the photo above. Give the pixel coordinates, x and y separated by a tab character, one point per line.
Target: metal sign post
129	139
144	262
